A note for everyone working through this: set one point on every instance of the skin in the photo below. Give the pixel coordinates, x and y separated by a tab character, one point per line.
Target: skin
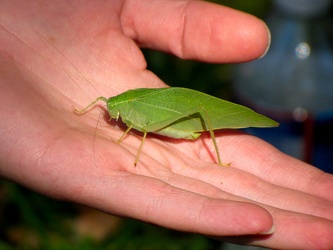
60	55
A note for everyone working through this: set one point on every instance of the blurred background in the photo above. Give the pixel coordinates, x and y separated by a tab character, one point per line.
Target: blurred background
292	84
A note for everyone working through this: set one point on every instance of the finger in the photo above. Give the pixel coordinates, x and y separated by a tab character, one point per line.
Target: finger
104	183
271	165
253	189
154	201
244	177
196	30
299	214
292	231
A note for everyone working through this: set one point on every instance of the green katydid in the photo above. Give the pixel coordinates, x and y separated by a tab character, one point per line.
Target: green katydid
178	113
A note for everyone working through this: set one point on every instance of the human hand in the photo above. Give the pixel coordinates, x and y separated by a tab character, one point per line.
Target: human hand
62	54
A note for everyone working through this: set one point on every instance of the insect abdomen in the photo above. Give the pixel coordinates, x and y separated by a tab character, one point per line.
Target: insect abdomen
178	134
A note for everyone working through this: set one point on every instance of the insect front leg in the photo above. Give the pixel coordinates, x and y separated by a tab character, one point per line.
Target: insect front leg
82	111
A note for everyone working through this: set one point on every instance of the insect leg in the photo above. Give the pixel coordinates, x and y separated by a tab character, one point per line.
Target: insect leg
82	111
141	145
122	137
140	149
207	120
203	113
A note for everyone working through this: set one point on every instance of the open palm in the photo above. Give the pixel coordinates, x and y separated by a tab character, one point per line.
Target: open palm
61	55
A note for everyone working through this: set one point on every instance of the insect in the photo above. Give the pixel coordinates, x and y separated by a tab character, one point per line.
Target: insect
178	113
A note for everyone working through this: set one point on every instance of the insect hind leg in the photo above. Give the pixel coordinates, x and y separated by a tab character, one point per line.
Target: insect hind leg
140	148
209	127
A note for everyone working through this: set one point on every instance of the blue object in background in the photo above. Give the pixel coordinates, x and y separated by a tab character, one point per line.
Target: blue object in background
293	83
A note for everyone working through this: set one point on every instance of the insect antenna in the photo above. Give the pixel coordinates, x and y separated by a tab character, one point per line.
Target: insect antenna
95	135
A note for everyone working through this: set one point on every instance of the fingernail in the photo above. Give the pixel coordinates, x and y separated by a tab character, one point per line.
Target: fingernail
270	231
269	42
